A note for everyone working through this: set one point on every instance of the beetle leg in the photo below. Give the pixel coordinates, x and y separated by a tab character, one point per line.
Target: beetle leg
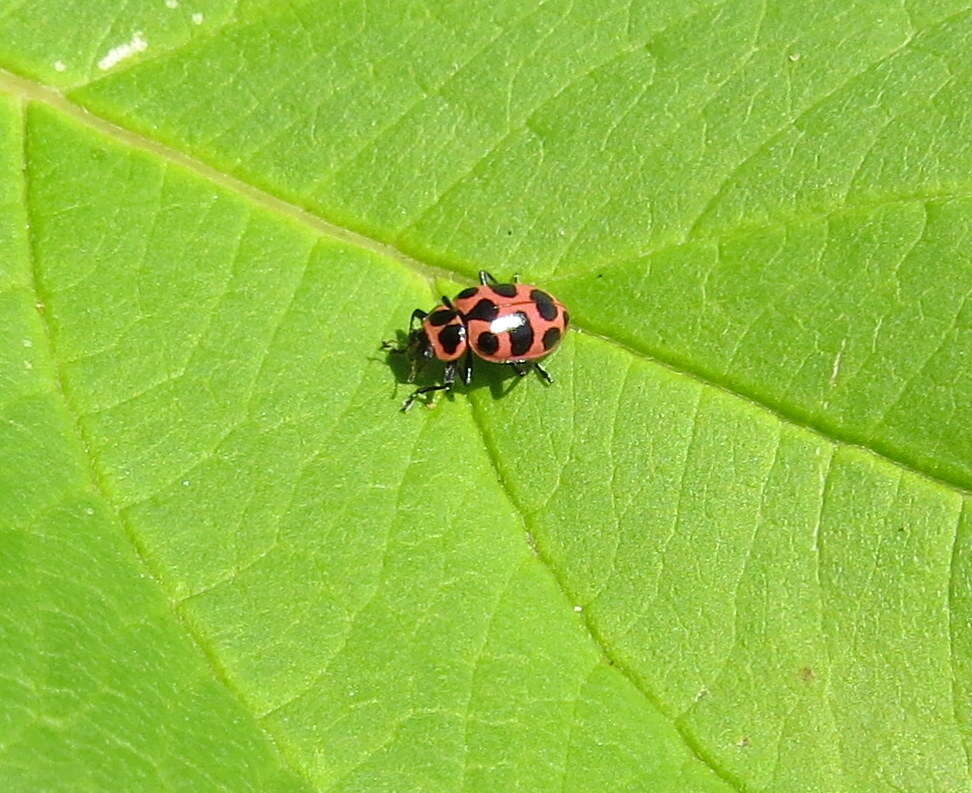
418	392
467	366
544	374
520	368
485	278
449	378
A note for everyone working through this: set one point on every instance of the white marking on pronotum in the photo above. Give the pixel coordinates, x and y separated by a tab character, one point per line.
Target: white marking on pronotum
197	18
59	66
122	51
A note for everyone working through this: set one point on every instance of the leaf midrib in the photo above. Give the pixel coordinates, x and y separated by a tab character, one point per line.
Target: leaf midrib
33	91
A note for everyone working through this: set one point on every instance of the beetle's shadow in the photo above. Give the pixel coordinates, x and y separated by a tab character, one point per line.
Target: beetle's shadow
498	378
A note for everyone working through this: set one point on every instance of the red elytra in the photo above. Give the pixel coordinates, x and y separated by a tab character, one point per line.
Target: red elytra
511	322
514	324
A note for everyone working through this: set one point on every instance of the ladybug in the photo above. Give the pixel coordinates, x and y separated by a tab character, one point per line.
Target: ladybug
514	324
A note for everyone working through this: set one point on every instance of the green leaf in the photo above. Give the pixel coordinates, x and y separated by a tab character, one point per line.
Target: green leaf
729	549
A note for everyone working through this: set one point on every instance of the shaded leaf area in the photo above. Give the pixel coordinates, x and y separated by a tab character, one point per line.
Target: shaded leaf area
761	185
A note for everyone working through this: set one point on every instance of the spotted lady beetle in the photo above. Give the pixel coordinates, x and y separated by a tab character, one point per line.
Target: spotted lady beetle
514	324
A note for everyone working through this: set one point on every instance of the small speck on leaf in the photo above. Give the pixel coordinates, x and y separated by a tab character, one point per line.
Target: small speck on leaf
116	55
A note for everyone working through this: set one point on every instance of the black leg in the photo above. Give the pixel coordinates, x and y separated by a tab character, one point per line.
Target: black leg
485	278
522	368
467	366
516	278
449	377
424	390
447	303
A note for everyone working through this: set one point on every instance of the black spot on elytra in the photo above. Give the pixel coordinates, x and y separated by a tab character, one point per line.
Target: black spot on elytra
441	317
467	293
504	290
450	337
545	304
521	337
485	310
487	342
550	338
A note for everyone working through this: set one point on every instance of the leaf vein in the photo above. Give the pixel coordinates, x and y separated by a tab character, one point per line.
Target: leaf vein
100	484
34	91
598	640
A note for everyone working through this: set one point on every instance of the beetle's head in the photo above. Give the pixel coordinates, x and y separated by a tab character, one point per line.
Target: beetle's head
416	348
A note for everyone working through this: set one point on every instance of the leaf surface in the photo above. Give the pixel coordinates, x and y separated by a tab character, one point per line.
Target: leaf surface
727	550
